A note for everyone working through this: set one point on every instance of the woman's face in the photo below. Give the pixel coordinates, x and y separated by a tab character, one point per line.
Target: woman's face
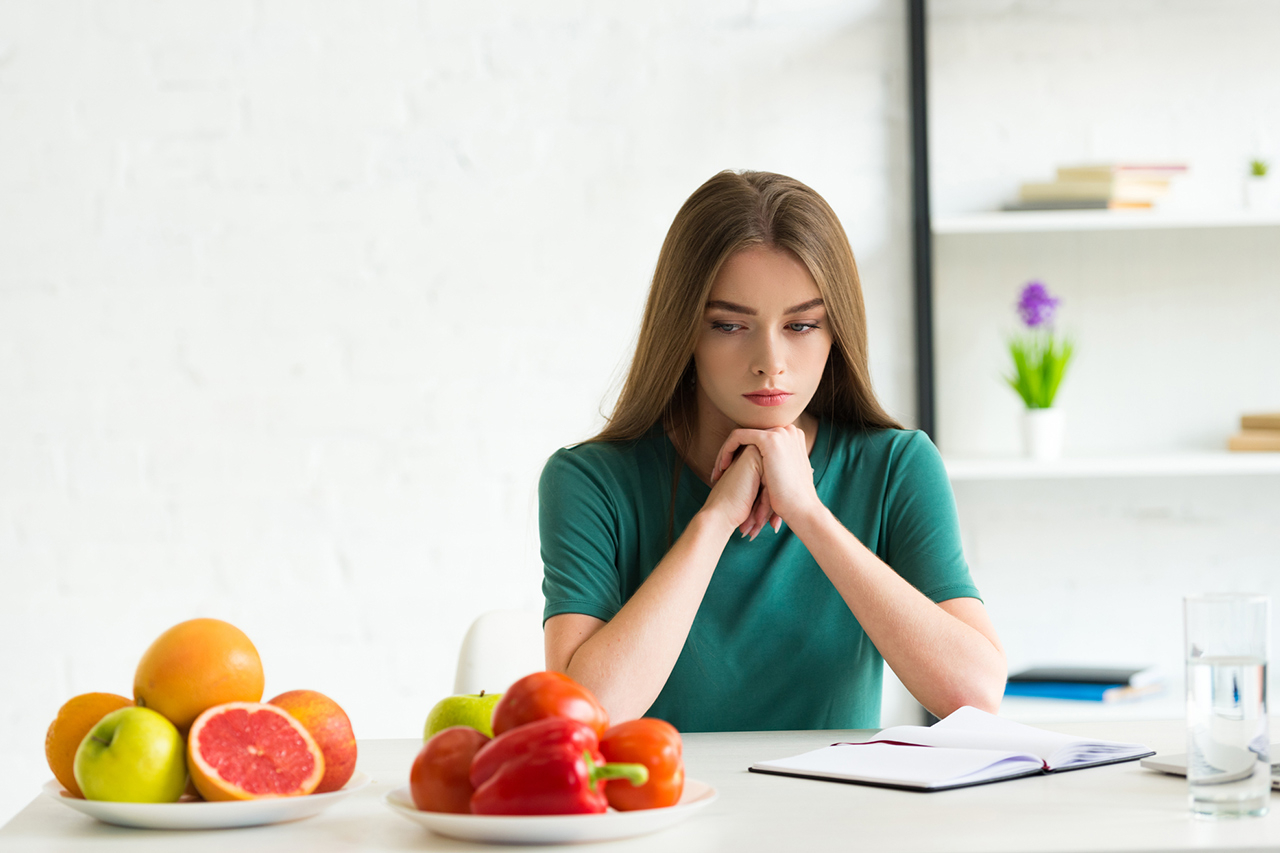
764	341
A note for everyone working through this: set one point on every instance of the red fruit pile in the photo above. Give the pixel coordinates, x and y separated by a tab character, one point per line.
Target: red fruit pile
553	752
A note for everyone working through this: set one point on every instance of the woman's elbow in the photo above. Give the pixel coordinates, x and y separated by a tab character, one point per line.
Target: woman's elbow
987	697
983	692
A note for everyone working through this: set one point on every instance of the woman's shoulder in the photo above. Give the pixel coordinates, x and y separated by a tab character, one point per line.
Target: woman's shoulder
611	457
894	450
876	440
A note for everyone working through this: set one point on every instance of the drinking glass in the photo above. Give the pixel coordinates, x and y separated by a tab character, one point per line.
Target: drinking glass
1227	647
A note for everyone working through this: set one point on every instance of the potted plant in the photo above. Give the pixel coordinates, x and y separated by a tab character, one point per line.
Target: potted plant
1040	359
1257	185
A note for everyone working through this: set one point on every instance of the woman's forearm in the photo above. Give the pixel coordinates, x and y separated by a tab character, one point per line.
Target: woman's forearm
628	660
944	661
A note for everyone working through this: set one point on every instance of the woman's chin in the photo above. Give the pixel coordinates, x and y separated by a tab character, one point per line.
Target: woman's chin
767	420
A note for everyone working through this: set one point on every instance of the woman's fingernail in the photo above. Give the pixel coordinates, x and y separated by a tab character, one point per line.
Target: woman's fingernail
777	525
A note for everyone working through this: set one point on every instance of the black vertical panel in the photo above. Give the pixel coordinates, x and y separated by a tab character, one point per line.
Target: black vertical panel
921	232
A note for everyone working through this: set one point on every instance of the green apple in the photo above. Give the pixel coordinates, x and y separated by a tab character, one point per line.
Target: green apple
466	709
133	755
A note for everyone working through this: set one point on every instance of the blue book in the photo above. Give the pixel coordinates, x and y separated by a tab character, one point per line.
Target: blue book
1079	691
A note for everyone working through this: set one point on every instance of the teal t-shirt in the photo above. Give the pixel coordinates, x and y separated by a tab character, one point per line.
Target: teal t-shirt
773	645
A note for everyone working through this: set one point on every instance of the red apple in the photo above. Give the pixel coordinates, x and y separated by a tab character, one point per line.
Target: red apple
329	726
440	779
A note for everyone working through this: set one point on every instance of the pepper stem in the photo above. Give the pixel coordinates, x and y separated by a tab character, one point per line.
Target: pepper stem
636	774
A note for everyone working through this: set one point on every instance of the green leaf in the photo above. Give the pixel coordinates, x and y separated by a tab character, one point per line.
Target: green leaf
1039	364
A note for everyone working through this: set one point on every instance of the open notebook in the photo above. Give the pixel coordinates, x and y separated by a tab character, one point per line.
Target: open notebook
969	747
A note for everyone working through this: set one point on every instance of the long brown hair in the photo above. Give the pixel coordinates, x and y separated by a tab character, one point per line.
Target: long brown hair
731	212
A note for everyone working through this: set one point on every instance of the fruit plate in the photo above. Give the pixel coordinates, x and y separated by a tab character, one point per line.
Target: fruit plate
197	814
554	829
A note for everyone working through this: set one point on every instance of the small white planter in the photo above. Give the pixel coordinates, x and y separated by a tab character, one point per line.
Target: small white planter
1043	433
1258	193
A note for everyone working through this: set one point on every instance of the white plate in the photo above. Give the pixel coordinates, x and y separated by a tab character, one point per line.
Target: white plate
201	815
554	829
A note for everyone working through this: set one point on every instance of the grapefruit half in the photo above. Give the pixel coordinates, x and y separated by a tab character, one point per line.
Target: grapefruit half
252	751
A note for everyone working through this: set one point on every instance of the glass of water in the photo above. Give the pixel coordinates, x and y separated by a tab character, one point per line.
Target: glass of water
1227	645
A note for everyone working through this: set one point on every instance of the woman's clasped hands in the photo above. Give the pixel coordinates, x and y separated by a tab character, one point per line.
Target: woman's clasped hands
763	477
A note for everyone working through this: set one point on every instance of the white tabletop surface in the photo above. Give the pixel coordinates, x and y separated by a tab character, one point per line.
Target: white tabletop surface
1118	807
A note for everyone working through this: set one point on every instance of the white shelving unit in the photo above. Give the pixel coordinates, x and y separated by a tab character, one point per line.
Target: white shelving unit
1167	465
1176	464
1004	222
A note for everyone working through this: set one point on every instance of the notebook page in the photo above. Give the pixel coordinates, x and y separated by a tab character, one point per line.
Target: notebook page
904	765
974	729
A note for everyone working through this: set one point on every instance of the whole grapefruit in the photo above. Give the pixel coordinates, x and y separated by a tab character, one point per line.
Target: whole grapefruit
75	718
250	751
331	728
195	665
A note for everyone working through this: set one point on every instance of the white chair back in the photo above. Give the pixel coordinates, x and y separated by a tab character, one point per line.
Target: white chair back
500	647
897	706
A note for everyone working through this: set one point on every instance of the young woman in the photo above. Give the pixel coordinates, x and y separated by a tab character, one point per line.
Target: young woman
748	410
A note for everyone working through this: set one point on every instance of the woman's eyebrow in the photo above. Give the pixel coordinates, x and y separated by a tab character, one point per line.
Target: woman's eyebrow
742	309
805	306
730	306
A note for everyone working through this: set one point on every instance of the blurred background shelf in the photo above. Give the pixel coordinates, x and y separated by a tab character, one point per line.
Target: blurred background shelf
1002	222
1164	465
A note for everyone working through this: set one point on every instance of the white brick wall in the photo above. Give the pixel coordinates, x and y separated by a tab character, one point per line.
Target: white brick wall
296	299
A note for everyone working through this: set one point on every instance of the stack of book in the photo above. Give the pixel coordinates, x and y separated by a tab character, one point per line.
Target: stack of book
1086	683
1257	432
1110	186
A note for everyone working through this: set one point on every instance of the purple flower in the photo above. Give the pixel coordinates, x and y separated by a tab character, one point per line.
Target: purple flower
1036	306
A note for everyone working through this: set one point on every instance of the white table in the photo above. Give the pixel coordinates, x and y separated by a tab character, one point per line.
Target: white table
1119	807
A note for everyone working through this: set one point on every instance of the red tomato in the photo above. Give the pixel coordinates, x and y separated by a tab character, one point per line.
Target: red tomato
655	744
548	694
440	779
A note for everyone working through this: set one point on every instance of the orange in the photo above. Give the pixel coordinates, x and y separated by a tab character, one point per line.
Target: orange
195	665
325	720
249	751
75	718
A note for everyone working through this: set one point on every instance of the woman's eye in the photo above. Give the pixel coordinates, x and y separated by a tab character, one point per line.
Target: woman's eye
728	328
802	327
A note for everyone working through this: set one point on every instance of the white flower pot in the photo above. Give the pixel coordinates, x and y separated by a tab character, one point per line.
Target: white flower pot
1258	193
1043	433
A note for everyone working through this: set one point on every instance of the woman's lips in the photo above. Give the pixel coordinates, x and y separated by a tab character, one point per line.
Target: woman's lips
768	398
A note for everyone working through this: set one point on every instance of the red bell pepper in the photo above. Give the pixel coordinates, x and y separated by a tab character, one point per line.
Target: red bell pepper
531	737
556	768
655	744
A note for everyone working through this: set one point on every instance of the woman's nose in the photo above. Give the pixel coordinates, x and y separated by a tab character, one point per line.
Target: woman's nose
767	359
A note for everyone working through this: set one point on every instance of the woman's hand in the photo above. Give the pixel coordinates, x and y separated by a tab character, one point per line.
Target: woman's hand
735	491
786	484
